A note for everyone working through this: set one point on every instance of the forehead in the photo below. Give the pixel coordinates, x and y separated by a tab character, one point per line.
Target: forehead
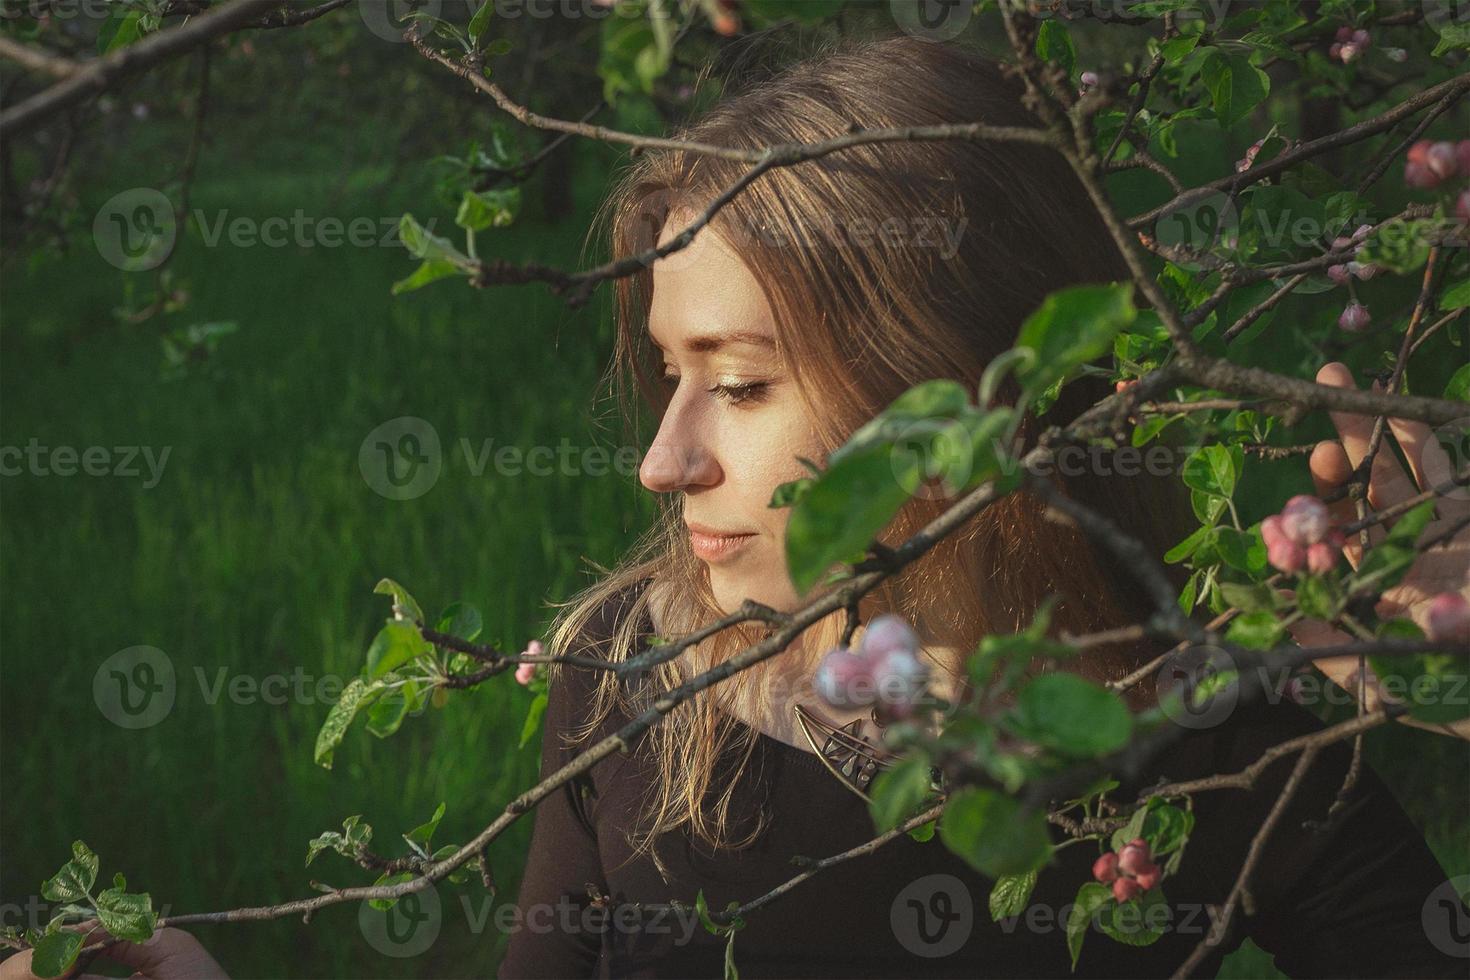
704	297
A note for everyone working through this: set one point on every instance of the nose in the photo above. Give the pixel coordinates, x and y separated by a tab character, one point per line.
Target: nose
680	456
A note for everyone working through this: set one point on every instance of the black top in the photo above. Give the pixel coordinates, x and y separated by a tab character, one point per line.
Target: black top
1366	898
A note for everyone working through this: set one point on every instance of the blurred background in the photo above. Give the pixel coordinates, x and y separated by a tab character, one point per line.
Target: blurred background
232	519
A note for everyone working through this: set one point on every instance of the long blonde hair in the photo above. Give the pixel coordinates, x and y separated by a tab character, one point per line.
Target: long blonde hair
857	326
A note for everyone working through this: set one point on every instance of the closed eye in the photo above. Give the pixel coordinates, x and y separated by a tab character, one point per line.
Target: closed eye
745	393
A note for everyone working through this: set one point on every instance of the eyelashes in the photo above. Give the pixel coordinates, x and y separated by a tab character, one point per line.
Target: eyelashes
745	393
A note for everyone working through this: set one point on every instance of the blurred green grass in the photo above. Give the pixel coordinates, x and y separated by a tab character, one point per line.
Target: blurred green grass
258	550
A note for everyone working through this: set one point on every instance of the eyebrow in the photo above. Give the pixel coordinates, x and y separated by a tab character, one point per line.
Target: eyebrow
708	343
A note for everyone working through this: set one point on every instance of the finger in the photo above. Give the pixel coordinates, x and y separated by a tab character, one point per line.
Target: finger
1387	482
1330	470
1431	465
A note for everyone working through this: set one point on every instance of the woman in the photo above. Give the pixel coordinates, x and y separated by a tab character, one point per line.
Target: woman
814	299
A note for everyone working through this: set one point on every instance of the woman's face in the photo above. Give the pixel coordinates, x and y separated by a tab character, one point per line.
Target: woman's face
735	422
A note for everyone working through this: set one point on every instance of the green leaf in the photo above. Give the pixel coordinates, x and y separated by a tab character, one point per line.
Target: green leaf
994	832
1388	561
1070	714
1458	387
127	916
429	271
1011	893
898	791
396	644
1189	545
1453	35
384	904
355	696
1436	686
386	715
533	718
1054	43
1091	897
74	881
481	20
1071	327
1455	297
1214	469
424	832
56	952
1236	86
423	244
462	620
1140	922
122	27
404	605
837	519
1255	630
488	209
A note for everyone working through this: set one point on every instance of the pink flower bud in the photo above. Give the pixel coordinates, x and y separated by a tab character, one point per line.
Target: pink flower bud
1360	233
1125	890
1348	52
1272	532
1419	175
1462	206
1449	618
843	679
1148	878
1321	558
1362	38
1338	274
1343	34
899	676
1335	51
1462	157
1363	270
1105	868
1440	159
1088	79
525	673
887	632
1134	858
1305	519
535	648
1354	318
1288	556
1418	151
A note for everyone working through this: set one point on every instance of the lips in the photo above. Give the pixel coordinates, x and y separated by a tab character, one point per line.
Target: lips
712	545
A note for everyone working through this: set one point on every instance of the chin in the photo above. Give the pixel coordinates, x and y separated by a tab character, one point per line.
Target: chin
731	587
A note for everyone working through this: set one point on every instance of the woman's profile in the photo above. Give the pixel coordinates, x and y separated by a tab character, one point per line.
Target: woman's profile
812	300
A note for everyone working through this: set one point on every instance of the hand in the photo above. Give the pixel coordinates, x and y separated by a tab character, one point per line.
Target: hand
1444	568
170	954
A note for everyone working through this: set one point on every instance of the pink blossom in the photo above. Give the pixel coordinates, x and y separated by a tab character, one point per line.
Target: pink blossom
1449	618
1354	318
1305	520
